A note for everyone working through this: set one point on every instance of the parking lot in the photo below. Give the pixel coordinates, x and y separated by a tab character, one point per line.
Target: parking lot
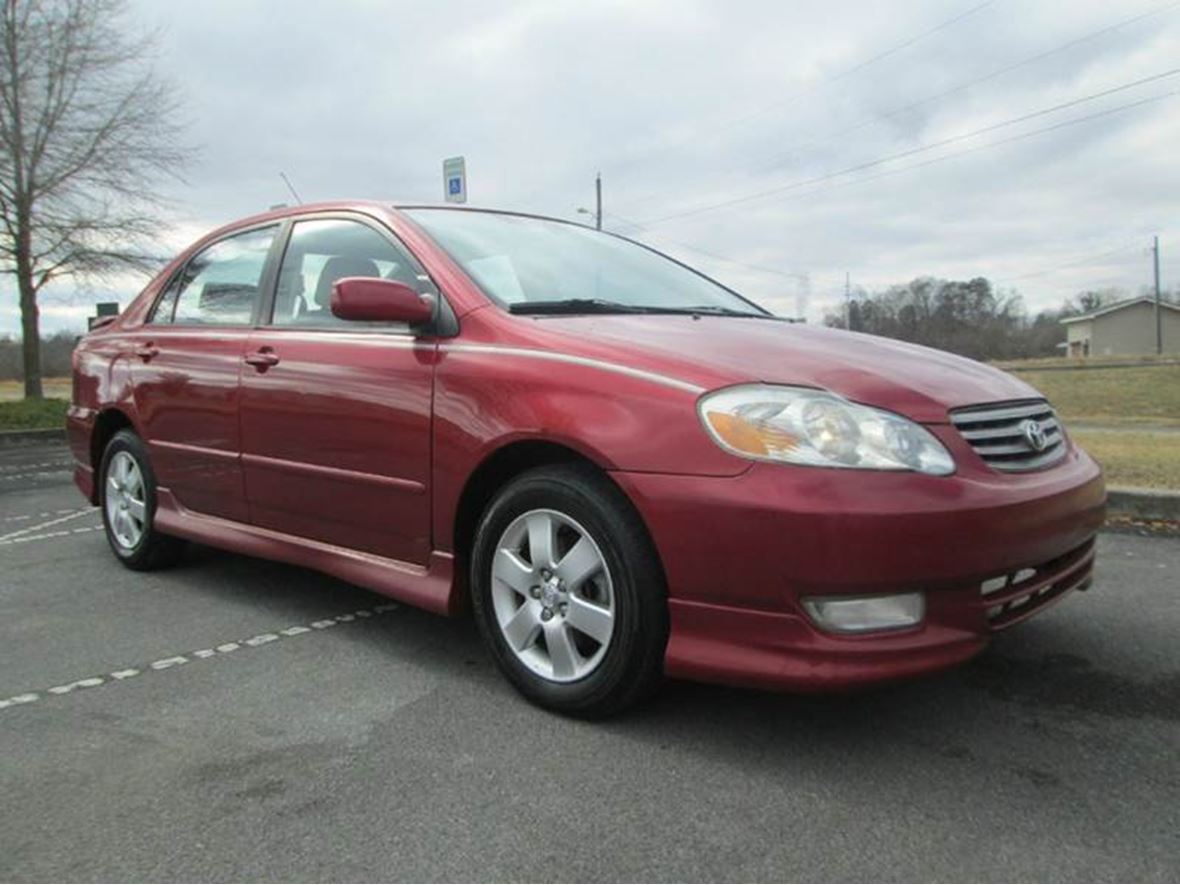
237	719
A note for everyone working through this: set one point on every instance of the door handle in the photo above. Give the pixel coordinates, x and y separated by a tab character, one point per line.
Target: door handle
147	352
262	359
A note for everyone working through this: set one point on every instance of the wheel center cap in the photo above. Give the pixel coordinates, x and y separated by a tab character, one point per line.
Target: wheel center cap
550	594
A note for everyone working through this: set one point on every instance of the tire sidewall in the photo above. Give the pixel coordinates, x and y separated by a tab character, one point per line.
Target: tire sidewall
549	492
126	441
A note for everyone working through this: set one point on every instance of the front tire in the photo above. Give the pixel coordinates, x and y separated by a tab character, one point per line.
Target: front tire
568	592
128	502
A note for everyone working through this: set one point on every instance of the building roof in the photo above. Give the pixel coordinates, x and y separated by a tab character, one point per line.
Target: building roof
1118	305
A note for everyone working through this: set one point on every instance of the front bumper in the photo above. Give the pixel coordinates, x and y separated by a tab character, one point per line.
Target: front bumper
740	553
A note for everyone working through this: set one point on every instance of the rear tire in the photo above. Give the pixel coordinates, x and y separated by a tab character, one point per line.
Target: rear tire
127	497
568	592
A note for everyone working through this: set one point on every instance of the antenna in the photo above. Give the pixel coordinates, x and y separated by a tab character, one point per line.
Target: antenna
290	187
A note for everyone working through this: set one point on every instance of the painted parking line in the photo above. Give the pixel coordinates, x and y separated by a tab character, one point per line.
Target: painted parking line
36	473
44	514
41	526
49	536
37	466
190	657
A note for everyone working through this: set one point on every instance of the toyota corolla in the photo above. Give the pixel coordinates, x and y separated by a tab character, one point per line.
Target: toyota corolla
620	467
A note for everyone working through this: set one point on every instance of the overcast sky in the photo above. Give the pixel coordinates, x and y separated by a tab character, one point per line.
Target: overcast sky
683	105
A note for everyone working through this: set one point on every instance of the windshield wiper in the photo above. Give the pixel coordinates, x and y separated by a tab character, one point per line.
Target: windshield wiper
599	305
718	310
575	305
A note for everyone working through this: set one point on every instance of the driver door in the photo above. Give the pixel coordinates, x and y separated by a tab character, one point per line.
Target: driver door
336	415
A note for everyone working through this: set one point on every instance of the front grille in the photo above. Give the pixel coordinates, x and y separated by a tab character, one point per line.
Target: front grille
1002	434
1009	599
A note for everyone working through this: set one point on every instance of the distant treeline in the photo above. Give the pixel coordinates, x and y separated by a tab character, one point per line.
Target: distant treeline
55	356
968	318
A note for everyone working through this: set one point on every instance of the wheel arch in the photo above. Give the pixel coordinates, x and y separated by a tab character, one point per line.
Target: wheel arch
496	470
109	422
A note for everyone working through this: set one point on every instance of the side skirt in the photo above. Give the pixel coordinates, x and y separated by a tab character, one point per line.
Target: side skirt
430	588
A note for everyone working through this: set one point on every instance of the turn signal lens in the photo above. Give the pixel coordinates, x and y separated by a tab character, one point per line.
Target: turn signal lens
748	437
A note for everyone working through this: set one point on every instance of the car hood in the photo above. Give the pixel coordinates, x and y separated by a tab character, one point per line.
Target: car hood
919	382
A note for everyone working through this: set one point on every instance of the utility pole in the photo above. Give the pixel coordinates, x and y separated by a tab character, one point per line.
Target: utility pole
598	203
1159	327
848	300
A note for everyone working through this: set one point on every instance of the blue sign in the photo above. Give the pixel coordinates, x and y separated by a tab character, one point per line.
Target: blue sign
455	180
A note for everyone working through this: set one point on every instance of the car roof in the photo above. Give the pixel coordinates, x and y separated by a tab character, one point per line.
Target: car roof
488	210
376	206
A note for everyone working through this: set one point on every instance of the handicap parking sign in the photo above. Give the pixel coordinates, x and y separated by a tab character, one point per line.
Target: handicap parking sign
455	180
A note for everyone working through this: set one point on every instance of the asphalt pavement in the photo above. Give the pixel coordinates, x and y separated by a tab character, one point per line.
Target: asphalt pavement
233	719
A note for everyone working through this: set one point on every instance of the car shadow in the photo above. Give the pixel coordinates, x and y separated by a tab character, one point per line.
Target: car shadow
1021	671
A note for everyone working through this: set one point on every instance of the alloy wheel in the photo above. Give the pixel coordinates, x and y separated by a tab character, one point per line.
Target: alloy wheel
125	500
552	595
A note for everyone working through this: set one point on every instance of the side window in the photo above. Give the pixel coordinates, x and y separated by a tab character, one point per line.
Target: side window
319	253
220	284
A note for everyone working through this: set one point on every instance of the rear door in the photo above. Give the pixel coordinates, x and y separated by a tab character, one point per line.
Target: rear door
186	363
336	415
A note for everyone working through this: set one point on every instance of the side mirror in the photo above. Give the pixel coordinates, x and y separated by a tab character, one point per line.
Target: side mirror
382	301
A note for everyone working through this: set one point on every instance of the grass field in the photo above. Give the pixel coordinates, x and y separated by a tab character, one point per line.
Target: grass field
1143	459
1148	395
1069	362
1130	405
54	387
22	414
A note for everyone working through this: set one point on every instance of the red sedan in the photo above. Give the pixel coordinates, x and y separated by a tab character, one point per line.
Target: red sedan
623	468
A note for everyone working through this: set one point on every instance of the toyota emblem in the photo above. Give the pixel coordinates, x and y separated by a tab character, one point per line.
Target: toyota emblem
1034	435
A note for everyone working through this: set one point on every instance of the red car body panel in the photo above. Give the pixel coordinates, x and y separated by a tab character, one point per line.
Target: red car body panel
918	382
186	390
351	454
356	475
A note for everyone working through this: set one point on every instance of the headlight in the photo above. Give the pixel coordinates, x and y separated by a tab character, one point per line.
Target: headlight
802	425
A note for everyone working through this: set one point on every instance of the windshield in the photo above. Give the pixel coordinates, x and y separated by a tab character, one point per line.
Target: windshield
520	261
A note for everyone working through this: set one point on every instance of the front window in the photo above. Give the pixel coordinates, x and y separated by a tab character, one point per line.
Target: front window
523	262
322	251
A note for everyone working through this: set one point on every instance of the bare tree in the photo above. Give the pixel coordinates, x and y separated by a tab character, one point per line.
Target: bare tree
87	132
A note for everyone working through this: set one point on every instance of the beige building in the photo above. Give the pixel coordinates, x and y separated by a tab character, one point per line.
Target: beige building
1127	327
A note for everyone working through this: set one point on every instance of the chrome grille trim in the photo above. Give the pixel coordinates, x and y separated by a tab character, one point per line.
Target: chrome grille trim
1010	448
994	432
1003	411
1050	425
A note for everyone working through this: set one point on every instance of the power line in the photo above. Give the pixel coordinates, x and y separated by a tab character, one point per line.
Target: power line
1060	125
881	56
1087	261
763	194
999	72
697	249
776	161
991	144
725	127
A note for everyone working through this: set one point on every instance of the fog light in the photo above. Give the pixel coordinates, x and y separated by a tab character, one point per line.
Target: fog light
861	614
